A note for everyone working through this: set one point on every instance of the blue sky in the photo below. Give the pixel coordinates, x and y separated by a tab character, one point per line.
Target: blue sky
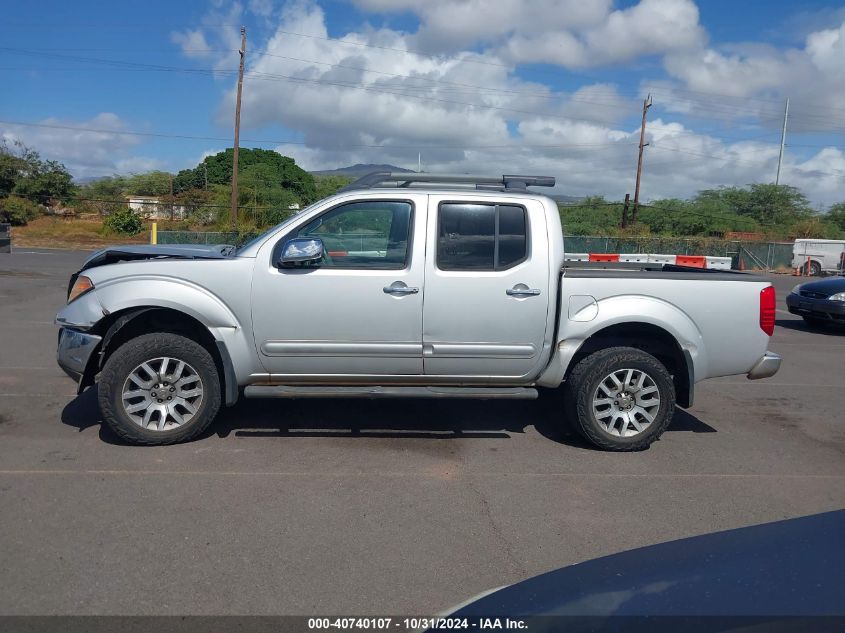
495	85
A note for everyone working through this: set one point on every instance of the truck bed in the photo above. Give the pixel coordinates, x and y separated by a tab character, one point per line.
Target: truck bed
654	271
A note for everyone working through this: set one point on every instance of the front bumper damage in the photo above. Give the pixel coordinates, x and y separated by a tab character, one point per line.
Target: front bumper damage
74	351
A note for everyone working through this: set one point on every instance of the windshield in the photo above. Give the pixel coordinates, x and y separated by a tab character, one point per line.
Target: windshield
242	249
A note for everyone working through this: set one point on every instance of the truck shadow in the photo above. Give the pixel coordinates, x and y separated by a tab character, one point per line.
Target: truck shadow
828	329
406	419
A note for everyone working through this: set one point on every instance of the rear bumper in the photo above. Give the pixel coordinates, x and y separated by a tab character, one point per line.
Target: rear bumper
767	366
821	309
74	351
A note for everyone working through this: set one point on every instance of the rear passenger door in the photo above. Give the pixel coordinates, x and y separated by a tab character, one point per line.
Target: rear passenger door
487	288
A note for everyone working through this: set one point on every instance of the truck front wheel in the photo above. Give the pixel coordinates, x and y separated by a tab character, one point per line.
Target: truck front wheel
620	398
159	388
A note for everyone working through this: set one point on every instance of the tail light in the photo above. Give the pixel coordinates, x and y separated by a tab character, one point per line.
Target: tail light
767	310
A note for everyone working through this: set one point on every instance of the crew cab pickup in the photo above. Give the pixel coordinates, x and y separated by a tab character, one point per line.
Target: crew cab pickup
407	285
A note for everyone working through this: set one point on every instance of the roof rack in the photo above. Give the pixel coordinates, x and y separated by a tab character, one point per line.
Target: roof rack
407	179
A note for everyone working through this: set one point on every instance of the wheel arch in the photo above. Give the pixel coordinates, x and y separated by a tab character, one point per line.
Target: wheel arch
642	335
648	338
117	328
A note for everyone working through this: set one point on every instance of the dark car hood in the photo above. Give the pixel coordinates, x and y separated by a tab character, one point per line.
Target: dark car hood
786	568
131	252
826	286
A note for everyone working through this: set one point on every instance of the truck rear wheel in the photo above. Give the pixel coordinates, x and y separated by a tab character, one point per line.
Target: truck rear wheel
620	398
159	388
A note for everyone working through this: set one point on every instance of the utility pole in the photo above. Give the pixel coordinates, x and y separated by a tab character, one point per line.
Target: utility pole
782	141
419	162
205	166
646	106
172	212
625	210
234	211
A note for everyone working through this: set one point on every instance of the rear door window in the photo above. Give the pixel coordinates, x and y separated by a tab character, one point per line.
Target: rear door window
474	236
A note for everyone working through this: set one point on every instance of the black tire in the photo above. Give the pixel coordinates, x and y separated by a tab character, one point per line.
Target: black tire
583	383
142	349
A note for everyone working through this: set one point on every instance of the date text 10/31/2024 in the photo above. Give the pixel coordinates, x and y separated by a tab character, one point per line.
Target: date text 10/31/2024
417	624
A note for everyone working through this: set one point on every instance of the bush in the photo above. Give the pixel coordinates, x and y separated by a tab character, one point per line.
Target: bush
18	211
124	221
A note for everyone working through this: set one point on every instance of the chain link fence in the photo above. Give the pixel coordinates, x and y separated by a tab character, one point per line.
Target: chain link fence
752	255
775	256
5	238
204	237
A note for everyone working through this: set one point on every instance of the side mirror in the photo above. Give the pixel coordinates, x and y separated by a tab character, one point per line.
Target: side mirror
301	250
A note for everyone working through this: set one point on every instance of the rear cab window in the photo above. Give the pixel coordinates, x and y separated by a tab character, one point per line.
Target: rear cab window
480	236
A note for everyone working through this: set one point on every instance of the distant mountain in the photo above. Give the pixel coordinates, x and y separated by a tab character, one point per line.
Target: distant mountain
87	180
360	170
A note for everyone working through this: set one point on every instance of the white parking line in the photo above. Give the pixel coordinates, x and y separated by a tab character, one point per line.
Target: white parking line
415	474
38	395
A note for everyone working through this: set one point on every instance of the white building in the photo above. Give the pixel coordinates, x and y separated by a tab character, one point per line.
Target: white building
152	208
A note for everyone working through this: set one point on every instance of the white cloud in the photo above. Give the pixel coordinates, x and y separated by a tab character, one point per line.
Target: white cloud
826	50
84	152
192	42
263	8
468	111
570	33
585	138
220	27
756	80
138	165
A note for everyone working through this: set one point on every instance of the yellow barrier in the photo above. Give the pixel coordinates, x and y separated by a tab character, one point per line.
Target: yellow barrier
154	234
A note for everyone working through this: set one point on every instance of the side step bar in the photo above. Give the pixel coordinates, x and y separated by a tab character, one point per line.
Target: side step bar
482	393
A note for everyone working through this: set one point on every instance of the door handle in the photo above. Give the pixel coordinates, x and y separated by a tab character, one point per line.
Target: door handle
400	288
521	290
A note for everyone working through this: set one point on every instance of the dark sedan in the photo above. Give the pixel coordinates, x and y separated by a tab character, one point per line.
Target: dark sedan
819	302
781	576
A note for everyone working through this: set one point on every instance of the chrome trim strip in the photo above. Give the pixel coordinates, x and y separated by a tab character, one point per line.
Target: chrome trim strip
478	350
320	349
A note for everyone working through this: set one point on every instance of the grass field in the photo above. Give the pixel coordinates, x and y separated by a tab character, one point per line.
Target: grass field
75	233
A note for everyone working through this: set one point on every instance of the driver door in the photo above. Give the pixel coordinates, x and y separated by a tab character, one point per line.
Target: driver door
358	312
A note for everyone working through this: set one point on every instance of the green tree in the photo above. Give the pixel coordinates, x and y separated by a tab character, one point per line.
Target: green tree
816	226
282	171
705	217
775	207
18	211
153	183
328	185
11	168
592	216
104	195
836	215
123	221
25	174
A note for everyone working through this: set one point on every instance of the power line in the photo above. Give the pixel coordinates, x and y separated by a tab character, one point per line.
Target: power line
270	76
37	198
654	88
290	142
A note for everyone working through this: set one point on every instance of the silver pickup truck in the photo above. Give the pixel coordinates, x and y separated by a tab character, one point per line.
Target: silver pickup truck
407	285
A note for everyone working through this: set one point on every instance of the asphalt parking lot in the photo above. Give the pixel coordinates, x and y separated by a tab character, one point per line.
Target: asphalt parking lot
383	507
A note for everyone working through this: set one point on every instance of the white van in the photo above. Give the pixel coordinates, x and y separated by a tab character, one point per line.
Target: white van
819	255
